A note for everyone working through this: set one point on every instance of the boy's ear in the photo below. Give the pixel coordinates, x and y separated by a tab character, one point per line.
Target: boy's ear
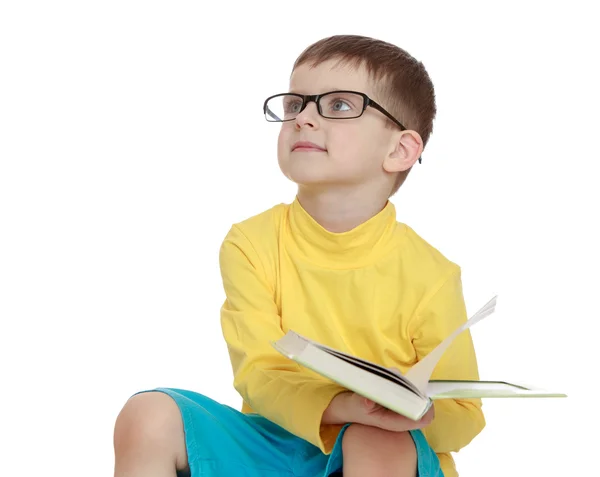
407	149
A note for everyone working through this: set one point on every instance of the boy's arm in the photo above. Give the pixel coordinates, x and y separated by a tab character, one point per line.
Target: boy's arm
457	421
272	385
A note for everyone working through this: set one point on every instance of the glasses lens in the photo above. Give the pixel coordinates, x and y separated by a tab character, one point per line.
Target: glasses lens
283	107
338	105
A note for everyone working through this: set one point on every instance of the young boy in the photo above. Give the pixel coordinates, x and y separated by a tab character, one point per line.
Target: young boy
335	266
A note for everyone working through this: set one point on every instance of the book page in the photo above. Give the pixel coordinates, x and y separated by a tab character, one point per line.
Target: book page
292	345
374	368
484	389
420	373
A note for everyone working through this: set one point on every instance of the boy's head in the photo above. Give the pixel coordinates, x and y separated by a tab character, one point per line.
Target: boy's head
371	151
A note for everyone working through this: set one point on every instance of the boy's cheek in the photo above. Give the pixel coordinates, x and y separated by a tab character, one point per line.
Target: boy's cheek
282	148
283	140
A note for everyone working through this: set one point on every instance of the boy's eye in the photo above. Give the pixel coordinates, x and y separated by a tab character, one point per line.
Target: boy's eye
341	105
292	105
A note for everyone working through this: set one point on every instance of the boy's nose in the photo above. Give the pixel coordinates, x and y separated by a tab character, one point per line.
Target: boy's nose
308	116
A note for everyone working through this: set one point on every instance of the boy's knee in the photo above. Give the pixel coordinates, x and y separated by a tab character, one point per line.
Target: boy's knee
150	420
372	451
380	443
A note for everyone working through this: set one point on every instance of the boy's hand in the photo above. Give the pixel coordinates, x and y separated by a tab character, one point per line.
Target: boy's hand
351	407
378	416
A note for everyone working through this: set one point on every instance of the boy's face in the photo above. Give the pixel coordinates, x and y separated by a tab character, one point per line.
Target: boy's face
355	149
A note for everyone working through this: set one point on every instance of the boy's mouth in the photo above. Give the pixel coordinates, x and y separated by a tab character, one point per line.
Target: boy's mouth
307	146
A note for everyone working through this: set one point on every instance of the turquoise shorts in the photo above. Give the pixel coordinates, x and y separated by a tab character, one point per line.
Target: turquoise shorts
224	442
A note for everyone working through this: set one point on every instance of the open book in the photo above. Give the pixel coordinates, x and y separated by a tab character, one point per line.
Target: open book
411	394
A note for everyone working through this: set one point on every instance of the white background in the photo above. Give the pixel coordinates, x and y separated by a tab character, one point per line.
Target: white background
132	137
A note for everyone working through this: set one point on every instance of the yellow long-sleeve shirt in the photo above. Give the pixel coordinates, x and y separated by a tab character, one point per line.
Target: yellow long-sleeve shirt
378	291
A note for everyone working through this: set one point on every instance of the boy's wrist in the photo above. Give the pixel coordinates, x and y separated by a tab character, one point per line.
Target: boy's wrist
339	411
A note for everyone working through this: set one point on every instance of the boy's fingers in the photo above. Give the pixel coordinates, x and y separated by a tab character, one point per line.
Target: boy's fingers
428	417
369	405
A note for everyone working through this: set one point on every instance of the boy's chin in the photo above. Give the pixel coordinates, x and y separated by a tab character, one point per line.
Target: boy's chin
306	183
313	176
304	175
309	178
317	184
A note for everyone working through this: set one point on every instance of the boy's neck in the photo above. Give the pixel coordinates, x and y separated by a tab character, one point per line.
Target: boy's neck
340	211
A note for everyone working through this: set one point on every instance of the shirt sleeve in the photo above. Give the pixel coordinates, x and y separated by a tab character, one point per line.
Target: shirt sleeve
272	385
457	421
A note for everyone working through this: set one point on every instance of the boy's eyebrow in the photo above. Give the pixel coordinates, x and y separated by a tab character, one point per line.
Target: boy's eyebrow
324	90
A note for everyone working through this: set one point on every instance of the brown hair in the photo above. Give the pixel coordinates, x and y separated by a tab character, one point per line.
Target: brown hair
401	82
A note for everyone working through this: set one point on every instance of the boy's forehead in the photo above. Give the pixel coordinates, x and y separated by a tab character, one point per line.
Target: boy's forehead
329	76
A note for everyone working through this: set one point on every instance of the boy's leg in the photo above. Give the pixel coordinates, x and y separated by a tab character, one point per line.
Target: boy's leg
173	431
378	453
149	439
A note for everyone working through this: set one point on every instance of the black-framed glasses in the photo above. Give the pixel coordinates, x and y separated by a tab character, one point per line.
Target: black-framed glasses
331	105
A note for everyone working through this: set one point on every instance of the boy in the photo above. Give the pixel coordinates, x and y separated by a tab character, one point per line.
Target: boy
335	266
